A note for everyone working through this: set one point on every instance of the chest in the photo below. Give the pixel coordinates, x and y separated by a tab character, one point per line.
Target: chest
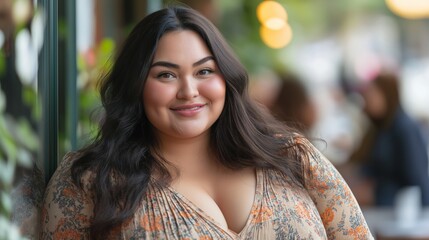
276	213
227	199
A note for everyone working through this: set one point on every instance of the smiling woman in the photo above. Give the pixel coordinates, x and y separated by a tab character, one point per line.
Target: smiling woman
184	153
184	92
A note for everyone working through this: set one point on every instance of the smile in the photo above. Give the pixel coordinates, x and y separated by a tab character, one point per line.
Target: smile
188	110
188	107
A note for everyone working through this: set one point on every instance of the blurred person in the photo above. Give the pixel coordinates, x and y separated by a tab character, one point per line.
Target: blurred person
393	152
184	153
263	88
424	125
293	104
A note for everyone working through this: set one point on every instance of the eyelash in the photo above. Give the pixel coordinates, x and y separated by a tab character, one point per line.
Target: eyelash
209	71
165	75
168	75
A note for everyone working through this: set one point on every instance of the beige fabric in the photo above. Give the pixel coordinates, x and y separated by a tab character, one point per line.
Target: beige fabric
326	210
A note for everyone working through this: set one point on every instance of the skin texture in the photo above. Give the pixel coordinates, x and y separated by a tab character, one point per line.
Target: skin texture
183	96
375	103
183	74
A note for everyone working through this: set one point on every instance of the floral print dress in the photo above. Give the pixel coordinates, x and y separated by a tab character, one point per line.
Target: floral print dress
325	210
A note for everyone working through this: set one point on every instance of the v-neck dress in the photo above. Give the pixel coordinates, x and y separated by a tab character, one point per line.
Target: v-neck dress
326	209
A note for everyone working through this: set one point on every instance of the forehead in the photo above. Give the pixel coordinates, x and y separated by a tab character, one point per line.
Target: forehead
180	45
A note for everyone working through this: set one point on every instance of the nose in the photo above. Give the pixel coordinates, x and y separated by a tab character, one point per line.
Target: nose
188	88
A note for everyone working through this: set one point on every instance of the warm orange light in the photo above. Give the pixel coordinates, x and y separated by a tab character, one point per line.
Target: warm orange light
412	9
274	23
276	38
271	14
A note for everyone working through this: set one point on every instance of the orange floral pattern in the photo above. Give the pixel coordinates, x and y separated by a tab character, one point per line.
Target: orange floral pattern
325	209
261	214
327	216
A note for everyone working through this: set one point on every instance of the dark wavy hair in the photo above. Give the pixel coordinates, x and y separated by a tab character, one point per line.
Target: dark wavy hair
388	84
244	135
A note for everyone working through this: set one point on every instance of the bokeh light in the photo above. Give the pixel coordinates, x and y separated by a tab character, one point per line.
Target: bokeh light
412	9
275	31
274	23
276	38
271	13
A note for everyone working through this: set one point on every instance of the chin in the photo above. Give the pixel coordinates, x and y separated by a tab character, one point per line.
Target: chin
190	132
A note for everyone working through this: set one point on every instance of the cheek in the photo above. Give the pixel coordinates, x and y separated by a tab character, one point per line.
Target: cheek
156	97
214	90
156	94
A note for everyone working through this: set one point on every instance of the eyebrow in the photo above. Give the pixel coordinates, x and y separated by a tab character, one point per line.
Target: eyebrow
173	65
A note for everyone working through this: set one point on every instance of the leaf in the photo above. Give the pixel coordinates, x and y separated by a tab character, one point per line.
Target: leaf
24	158
5	203
7	172
26	135
8	145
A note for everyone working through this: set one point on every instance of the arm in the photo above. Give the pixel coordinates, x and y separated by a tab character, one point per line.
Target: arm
411	153
67	210
338	208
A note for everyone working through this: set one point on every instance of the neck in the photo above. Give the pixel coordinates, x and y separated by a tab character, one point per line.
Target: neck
191	156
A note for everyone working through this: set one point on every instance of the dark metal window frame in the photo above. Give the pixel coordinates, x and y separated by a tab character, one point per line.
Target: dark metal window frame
49	82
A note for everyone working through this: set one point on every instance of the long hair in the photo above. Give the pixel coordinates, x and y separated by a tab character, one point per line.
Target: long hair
388	84
293	104
244	135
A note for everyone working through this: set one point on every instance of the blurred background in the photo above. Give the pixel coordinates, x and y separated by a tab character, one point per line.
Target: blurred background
53	52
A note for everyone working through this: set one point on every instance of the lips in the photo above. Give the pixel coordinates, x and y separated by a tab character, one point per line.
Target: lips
188	110
188	107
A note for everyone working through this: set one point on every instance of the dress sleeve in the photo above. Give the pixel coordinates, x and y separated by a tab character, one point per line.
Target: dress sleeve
411	154
67	210
337	206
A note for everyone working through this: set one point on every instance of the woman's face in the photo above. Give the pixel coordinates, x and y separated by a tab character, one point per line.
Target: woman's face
375	102
184	93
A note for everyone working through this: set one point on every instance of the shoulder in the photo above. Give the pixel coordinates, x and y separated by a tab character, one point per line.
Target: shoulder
405	127
321	174
311	156
62	173
336	204
64	166
403	122
67	209
62	181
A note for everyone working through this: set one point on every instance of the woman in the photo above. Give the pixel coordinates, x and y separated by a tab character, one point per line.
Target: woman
393	151
183	153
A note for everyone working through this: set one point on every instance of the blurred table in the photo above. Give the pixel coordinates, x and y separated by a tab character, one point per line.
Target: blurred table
385	226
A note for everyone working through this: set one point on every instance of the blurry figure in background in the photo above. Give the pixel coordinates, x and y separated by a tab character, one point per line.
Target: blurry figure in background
293	105
392	153
264	87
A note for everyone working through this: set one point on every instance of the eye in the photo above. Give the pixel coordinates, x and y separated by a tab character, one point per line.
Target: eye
205	71
165	75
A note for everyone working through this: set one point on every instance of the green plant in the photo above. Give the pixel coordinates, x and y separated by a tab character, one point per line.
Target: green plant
16	142
92	65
